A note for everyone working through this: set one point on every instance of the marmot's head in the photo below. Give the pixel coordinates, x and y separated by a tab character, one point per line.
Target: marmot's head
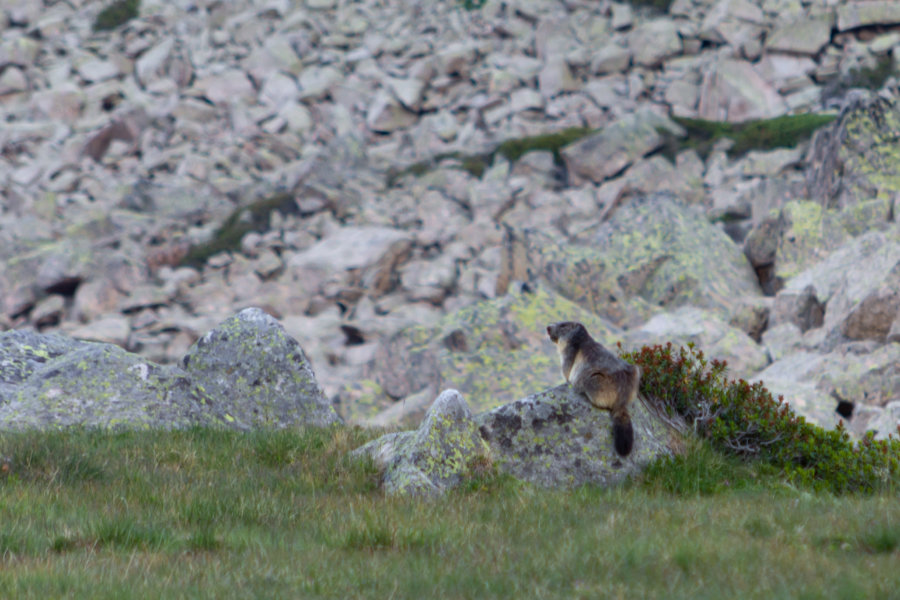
566	332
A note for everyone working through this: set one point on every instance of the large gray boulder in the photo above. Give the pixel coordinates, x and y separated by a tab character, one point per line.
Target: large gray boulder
497	350
257	374
556	438
49	382
669	254
245	373
857	284
552	439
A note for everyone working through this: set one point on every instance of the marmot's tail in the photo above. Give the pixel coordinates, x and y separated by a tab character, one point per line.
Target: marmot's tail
623	432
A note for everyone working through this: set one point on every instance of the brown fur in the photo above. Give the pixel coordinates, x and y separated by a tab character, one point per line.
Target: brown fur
608	381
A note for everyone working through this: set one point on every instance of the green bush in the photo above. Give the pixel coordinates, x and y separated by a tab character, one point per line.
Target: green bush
743	419
117	13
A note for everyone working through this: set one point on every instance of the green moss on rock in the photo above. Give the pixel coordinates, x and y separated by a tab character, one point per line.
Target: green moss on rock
493	351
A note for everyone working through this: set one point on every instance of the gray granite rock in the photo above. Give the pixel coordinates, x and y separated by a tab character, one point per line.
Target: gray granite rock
604	154
556	438
246	373
256	375
434	458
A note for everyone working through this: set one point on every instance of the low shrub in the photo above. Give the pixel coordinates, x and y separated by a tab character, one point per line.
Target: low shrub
742	419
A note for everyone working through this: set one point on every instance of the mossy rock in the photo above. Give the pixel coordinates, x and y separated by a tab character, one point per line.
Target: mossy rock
493	352
87	384
857	159
435	457
670	255
582	274
556	438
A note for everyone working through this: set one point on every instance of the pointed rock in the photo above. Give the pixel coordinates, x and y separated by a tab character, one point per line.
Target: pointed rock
256	375
427	462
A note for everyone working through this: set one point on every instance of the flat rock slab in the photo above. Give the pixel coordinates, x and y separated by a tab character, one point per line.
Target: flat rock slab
851	15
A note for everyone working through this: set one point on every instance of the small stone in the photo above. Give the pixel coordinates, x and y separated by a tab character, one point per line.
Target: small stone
316	82
806	36
48	311
267	265
94	298
607	91
113	329
526	99
228	87
851	15
94	71
12	80
149	66
654	41
622	16
556	77
297	117
407	91
456	59
611	58
386	115
278	89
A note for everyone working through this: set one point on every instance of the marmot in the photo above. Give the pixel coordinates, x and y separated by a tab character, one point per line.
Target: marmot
608	381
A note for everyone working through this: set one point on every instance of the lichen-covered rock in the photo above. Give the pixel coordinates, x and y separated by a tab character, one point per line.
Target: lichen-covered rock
22	352
807	232
53	382
854	158
246	373
582	274
558	439
257	375
433	458
673	255
496	350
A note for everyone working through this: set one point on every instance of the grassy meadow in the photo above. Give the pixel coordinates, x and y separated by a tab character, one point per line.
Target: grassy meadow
218	514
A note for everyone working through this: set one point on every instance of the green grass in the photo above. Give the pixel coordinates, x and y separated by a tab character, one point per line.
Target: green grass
764	134
255	217
207	513
117	13
512	150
